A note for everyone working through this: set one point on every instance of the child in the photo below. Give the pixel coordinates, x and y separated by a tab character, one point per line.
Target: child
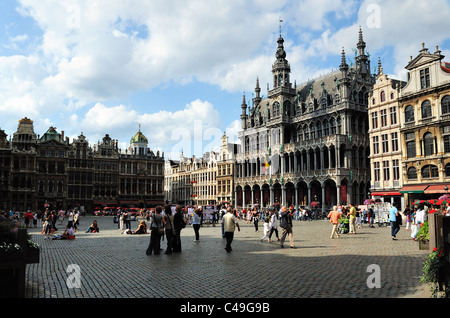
266	228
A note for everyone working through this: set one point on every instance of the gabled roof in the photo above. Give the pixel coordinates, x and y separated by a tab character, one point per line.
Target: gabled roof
424	58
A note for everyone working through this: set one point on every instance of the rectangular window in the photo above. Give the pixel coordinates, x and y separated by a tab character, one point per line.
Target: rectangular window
424	78
375	145
376	170
386	176
393	113
396	169
447	143
394	138
385	143
374	120
411	149
383	116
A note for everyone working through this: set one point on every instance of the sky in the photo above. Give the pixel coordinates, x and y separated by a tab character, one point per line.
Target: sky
179	69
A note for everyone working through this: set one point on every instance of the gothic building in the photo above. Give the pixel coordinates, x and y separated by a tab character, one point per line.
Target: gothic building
307	145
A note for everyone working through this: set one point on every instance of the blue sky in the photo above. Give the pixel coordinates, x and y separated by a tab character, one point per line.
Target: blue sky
179	68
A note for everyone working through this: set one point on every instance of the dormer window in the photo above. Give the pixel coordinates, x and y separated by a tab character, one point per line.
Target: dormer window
424	78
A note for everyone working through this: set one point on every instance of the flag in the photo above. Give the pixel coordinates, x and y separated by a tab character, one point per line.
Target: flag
266	164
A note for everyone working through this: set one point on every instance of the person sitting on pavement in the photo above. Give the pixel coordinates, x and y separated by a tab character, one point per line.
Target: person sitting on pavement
68	234
142	229
93	228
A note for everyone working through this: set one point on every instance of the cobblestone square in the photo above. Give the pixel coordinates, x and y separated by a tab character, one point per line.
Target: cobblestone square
114	265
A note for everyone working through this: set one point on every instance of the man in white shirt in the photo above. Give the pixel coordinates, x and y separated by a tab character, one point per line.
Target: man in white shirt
229	226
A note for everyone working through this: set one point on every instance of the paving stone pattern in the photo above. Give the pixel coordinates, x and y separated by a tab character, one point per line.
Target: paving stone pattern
115	265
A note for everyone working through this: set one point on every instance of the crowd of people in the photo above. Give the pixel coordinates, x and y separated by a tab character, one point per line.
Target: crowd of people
165	223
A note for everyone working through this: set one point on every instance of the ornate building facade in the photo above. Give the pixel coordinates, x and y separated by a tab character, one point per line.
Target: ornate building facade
384	134
307	143
49	171
424	105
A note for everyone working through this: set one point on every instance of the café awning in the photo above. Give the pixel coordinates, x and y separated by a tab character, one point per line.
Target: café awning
385	193
416	188
437	188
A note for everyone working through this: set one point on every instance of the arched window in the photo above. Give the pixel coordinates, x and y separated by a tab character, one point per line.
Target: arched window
426	109
409	114
383	96
430	171
445	104
412	173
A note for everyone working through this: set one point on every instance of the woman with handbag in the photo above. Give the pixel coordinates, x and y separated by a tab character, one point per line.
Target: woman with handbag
156	228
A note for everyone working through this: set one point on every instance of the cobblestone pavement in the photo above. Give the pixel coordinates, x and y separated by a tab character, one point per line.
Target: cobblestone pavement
115	265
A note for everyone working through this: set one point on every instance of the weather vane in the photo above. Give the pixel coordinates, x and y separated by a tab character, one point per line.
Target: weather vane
281	21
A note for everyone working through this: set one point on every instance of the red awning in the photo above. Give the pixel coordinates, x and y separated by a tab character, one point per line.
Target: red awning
437	188
416	188
385	193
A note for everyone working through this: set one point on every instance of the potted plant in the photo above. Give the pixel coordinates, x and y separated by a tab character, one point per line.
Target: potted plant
423	236
432	272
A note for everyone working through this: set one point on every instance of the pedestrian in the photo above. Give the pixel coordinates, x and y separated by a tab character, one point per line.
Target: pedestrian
61	217
393	218
179	224
286	225
266	228
168	225
35	218
155	232
196	222
27	217
127	220
334	217
229	224
255	218
75	221
273	225
358	219
352	219
47	225
420	219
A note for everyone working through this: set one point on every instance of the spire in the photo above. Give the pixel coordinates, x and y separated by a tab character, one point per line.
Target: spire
281	53
380	67
344	65
244	104
257	91
361	44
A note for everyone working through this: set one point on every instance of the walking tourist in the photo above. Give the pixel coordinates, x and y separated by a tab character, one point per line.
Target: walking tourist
393	215
229	224
352	219
273	225
255	218
286	225
266	228
334	217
